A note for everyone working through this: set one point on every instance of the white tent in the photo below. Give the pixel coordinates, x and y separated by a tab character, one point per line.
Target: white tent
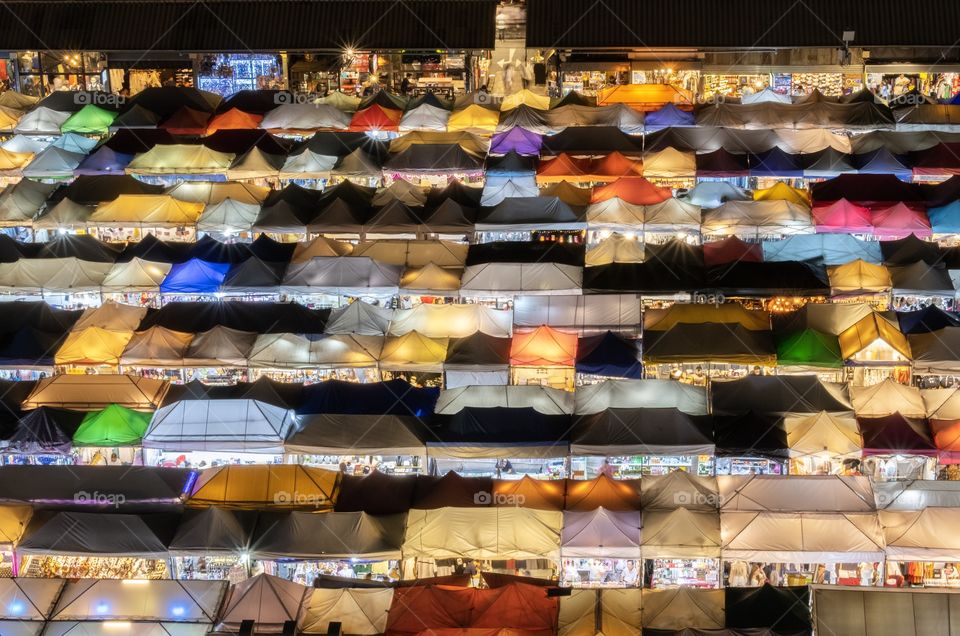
801	537
886	398
751	218
53	163
500	279
343	275
228	216
360	318
857	611
669	163
267	600
616	214
922	535
41	121
66	214
634	394
799	493
835	434
52	275
414	253
619	612
712	194
24	144
942	404
601	533
452	321
610	311
359	611
334	351
307	165
164	600
220	425
219	347
616	248
26	603
425	117
680	533
483	533
496	189
304	117
811	140
679	489
540	398
683	608
917	494
136	276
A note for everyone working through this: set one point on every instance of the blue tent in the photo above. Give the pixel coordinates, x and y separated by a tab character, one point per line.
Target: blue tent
195	277
609	354
831	249
882	161
394	397
73	142
945	219
774	163
103	161
925	320
666	116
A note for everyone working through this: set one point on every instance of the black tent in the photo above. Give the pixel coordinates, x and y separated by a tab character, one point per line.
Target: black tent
930	318
530	213
341	144
150	248
393	397
132	142
786	610
258	101
254	275
95	534
609	354
91	189
166	100
642	431
239	141
478	349
750	434
450	490
896	435
909	250
777	278
28	347
866	188
464	195
38	315
211	250
213	531
779	394
268	249
511	164
286	395
532	252
45	430
81	246
499	432
709	342
434	158
721	163
591	139
195	317
366	493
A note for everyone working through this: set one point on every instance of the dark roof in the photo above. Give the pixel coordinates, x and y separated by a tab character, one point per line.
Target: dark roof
739	24
245	25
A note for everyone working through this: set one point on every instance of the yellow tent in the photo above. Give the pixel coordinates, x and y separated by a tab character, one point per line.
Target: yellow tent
466	140
525	97
146	209
780	191
9	117
859	277
274	486
645	97
13	162
698	314
413	352
669	163
97	392
474	118
181	159
13	521
874	339
212	192
93	346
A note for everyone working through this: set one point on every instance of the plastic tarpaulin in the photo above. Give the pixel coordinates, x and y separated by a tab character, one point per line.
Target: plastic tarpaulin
641	432
94	534
254	486
353	535
358	611
452	321
802	537
633	394
918	535
269	601
680	533
238	425
601	534
483	533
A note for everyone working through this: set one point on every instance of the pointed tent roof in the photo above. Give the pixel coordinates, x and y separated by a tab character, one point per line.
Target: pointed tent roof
679	489
45	430
94	392
808	347
254	486
156	347
601	533
91	119
213	192
219	347
180	159
95	534
113	426
358	611
195	277
41	121
896	435
53	162
680	533
886	398
146	209
65	214
413	352
780	191
425	117
93	346
872	328
340	100
669	163
360	318
104	160
322	434
187	121
267	600
291	118
859	277
229	425
212	531
228	216
12	163
842	216
233	119
609	354
473	118
834	433
256	164
635	190
136	117
519	140
544	346
376	118
603	491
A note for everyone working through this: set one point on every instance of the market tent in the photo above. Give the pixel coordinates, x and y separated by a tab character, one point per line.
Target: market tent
605	492
187	121
357	610
601	533
641	432
868	338
44	431
679	489
180	159
530	214
859	277
835	434
260	317
758	217
477	352
721	163
731	251
347	275
97	535
830	318
865	189
228	216
195	277
934	351
256	164
89	120
269	601
452	321
213	531
496	189
254	486
394	397
543	347
229	425
29	348
53	163
779	278
375	118
542	494
431	279
609	354
915	495
328	535
617	248
909	250
414	253
582	612
93	346
176	605
750	434
52	275
41	121
307	164
886	398
413	352
319	246
802	537
498	279
780	191
669	163
808	348
635	394
831	249
113	426
898	221
156	346
783	609
519	140
135	117
680	533
365	493
233	119
12	163
325	434
918	535
683	608
64	214
340	100
712	194
424	117
882	161
896	434
807	493
496	432
94	392
826	163
27	603
360	318
636	190
667	116
709	342
567	192
544	400
146	209
483	533
298	118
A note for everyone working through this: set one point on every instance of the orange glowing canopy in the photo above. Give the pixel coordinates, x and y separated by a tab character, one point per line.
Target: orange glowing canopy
614	166
375	117
234	119
635	190
544	347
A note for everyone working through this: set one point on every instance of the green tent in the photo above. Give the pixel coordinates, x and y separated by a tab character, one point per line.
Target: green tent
89	120
809	348
113	426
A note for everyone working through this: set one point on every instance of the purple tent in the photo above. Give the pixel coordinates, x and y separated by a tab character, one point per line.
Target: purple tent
520	140
667	115
103	161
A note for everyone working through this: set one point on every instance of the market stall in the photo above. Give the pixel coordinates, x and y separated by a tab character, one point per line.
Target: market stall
254	486
213	545
681	548
600	548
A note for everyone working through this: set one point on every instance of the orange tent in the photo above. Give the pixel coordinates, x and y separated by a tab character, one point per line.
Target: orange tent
542	494
946	437
562	168
375	117
614	166
612	494
635	190
543	347
234	119
646	97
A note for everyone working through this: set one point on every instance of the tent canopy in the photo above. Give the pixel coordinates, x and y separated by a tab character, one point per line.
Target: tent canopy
257	485
227	425
305	535
483	533
113	426
98	535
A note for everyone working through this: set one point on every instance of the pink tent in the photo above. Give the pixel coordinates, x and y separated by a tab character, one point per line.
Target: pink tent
842	217
899	220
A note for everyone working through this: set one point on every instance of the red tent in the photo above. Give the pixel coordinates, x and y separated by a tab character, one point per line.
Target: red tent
614	166
234	119
938	160
524	608
562	168
731	250
544	347
946	437
636	190
375	117
899	221
186	121
841	217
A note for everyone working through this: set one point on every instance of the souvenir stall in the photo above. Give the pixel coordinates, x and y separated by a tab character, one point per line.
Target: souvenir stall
212	545
90	545
681	548
600	548
300	546
43	436
544	357
823	443
875	350
919	552
13	522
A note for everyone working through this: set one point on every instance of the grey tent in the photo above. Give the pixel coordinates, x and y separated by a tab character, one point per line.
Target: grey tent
213	531
348	535
325	434
94	534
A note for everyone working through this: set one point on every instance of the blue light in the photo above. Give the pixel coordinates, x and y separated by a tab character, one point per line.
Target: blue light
16	608
102	608
177	610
